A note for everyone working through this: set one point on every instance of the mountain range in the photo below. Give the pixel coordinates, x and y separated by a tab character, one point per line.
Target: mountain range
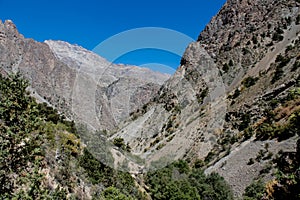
231	107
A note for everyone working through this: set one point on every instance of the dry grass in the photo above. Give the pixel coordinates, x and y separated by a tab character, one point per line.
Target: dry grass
284	111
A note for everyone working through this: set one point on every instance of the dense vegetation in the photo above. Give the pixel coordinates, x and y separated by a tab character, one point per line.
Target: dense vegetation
35	138
21	141
287	182
179	181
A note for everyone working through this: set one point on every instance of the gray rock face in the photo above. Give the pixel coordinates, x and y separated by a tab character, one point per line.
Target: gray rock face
104	93
198	112
187	119
77	82
49	78
184	118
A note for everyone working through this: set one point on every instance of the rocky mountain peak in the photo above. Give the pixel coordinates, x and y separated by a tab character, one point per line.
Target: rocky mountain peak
229	108
217	92
59	72
10	30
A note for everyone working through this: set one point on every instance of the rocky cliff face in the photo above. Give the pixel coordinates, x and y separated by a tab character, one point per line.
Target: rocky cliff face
244	64
236	83
77	82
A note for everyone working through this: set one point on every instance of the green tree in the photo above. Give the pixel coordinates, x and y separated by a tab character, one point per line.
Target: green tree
20	138
112	193
179	181
254	191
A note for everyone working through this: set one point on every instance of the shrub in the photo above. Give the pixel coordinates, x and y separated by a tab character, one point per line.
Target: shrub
119	142
235	94
254	40
246	119
251	161
245	51
225	68
277	37
277	75
112	193
202	95
254	191
179	181
298	20
249	81
296	65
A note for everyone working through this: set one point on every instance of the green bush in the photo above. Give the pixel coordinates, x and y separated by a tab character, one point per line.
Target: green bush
249	81
178	181
296	66
255	191
277	36
277	75
225	68
298	20
236	93
97	173
245	121
112	193
24	134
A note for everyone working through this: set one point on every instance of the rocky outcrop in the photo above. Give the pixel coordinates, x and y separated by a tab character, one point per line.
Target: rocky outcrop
112	91
228	83
203	111
77	82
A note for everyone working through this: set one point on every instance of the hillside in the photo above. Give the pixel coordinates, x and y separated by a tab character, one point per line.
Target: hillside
77	82
244	66
42	157
231	108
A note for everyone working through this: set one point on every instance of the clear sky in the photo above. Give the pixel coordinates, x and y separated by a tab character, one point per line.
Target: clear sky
89	22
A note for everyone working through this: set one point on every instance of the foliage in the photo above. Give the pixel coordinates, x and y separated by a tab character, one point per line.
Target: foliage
277	36
245	121
269	130
254	191
21	143
225	68
17	145
281	62
298	20
249	81
179	181
202	95
296	66
287	182
100	173
236	93
28	131
119	142
112	193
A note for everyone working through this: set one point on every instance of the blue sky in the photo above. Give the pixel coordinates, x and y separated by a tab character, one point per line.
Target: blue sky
89	22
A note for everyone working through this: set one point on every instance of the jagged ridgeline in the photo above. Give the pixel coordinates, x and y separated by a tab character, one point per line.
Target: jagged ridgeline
42	157
231	108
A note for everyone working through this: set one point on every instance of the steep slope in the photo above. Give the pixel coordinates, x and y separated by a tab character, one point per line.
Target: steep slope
230	107
244	65
104	93
42	156
77	82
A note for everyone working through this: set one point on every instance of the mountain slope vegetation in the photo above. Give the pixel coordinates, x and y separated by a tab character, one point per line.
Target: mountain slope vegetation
42	157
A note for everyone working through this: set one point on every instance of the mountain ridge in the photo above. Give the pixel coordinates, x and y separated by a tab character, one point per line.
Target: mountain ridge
238	40
229	108
56	77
